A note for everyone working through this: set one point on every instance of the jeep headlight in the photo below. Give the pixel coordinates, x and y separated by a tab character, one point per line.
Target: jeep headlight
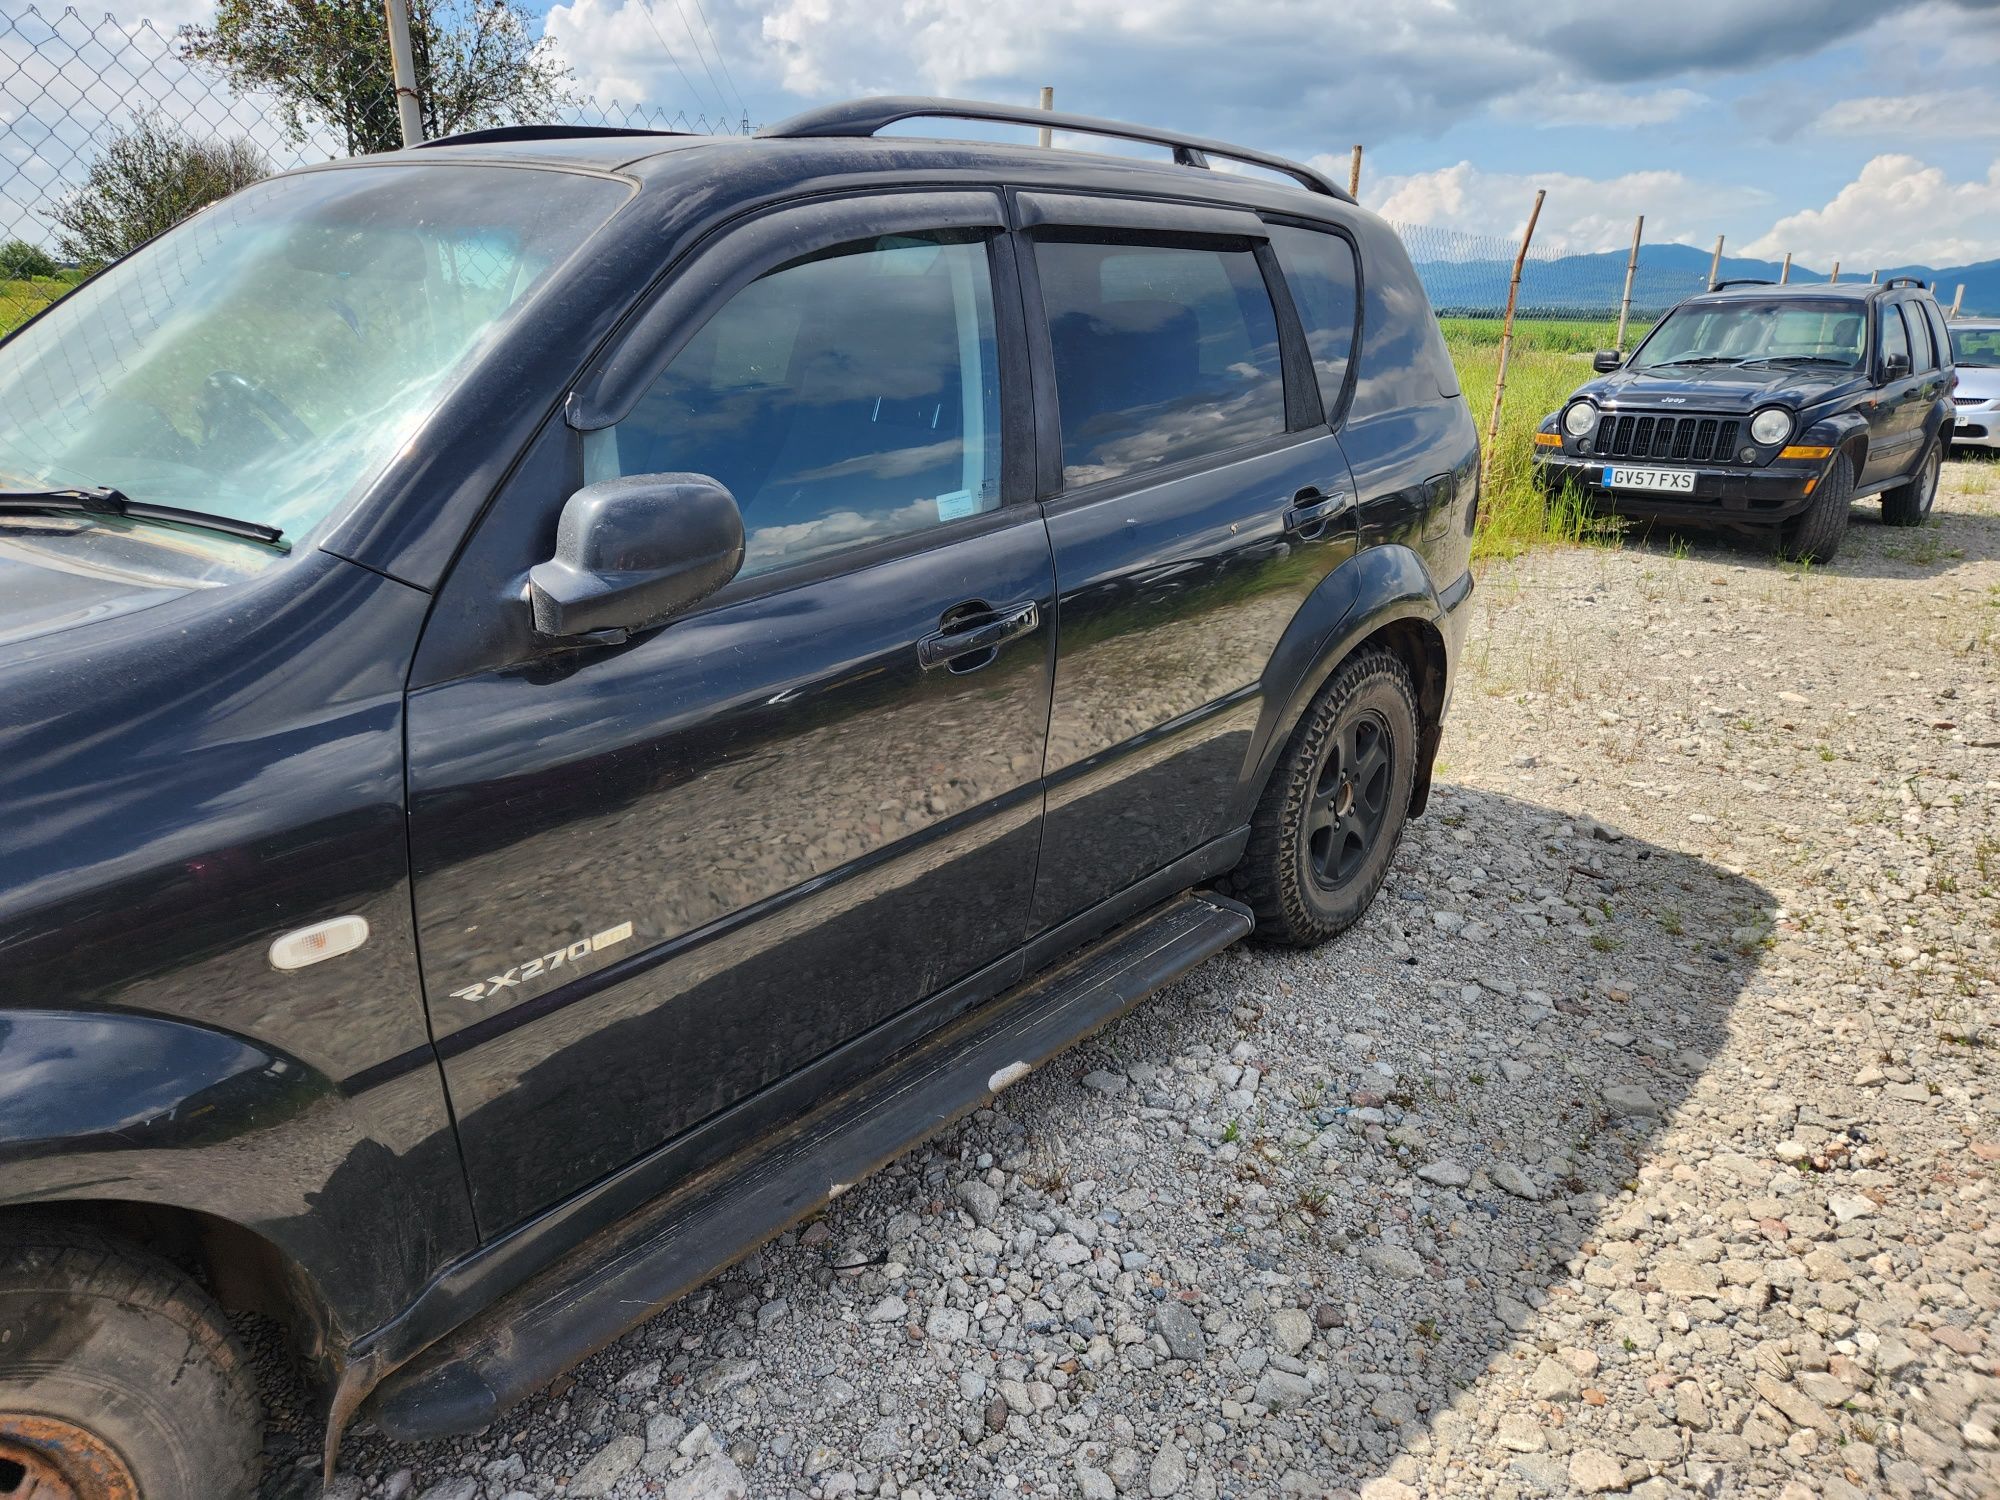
1771	426
1579	419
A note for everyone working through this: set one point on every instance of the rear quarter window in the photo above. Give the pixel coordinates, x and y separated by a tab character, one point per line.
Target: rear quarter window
1319	268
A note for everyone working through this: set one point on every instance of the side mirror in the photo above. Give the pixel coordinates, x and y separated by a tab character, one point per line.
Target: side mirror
633	553
1604	361
1895	366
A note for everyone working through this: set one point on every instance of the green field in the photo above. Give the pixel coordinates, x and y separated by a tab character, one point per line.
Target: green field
21	300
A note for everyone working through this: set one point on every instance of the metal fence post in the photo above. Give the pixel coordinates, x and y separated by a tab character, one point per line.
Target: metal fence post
408	113
1715	264
1507	336
1631	269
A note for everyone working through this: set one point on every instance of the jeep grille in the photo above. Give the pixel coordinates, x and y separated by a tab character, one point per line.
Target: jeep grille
1683	439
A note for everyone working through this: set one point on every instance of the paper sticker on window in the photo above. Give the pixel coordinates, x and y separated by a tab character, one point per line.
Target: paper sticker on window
955	505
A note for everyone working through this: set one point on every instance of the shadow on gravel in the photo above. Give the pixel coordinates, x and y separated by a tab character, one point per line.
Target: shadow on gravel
1375	1228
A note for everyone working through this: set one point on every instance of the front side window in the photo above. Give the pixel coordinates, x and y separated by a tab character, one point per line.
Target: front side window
849	397
1756	332
1319	268
1895	335
1162	353
270	354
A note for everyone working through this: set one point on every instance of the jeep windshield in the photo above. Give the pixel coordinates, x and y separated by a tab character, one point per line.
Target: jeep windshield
269	355
1827	334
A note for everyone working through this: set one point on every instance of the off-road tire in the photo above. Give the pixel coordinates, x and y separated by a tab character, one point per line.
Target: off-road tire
1909	504
1279	877
1814	535
103	1337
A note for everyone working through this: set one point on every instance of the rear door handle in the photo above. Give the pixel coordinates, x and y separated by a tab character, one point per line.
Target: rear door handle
1311	510
981	635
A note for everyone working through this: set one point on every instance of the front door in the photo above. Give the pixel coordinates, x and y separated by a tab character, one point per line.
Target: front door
652	880
1895	429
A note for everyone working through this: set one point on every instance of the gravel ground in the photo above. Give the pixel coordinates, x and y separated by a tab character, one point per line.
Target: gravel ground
1642	1139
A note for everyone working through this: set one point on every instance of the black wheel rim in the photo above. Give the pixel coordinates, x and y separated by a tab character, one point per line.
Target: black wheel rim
1350	800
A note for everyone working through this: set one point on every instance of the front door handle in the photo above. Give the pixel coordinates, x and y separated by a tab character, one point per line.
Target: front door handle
1311	510
982	635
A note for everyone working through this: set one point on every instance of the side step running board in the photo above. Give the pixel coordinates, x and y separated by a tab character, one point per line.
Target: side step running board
633	1269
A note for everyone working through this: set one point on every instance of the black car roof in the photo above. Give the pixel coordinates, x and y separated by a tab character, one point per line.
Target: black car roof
1819	291
843	137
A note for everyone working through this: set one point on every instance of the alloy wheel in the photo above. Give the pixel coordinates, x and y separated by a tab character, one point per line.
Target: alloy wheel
1350	800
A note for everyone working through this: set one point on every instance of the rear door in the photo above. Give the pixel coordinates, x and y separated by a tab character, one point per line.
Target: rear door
1195	493
1899	409
654	880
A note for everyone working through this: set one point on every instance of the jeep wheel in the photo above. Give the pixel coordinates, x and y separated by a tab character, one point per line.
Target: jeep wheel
1814	535
1910	504
119	1378
1329	822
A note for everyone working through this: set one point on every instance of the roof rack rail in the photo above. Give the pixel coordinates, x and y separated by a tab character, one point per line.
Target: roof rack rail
1915	281
866	117
1743	281
538	133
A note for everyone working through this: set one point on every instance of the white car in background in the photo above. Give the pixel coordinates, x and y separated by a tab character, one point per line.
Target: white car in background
1975	348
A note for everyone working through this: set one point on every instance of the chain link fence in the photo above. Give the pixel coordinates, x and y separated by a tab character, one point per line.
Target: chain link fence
72	88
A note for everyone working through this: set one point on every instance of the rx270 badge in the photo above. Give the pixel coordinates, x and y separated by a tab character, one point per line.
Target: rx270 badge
535	968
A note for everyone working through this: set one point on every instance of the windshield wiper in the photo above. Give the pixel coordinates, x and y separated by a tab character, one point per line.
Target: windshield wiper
1697	359
1800	359
102	500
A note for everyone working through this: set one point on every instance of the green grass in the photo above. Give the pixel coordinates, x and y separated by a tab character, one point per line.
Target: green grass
21	300
1548	360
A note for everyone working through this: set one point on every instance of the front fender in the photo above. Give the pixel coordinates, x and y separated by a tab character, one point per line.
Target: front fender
115	1106
1376	587
1836	432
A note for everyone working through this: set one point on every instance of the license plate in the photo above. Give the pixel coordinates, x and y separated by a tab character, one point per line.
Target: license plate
1674	481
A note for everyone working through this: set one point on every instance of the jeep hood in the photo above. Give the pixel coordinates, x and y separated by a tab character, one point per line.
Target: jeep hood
1720	388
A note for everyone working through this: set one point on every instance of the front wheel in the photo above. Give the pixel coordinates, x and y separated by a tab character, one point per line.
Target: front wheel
1909	504
1330	821
1814	536
119	1378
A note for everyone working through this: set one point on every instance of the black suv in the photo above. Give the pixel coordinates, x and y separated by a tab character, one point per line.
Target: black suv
1766	407
565	694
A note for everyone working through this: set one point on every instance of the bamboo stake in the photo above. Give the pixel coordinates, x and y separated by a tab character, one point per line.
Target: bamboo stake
1048	102
1354	175
1631	266
1836	274
1958	299
1715	264
1507	334
1785	275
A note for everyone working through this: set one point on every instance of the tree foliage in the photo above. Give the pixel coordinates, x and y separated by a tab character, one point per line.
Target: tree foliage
20	260
327	61
149	177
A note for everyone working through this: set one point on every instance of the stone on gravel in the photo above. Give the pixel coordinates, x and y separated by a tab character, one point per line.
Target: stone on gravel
607	1466
1392	1260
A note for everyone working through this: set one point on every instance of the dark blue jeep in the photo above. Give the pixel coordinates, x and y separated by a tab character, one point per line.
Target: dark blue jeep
1767	408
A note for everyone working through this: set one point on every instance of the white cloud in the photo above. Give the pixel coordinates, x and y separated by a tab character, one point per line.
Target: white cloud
1598	107
1581	215
1944	113
1897	211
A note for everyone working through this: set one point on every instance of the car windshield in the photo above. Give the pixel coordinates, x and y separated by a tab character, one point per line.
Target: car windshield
271	354
1977	346
1735	332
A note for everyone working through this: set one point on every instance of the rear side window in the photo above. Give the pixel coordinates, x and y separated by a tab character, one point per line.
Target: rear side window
1895	336
1938	331
1922	345
1319	268
846	398
1162	354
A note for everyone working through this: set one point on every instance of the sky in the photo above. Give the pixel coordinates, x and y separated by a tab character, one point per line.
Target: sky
1863	130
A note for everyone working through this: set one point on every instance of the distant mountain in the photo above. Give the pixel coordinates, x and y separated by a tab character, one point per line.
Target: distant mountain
1591	285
